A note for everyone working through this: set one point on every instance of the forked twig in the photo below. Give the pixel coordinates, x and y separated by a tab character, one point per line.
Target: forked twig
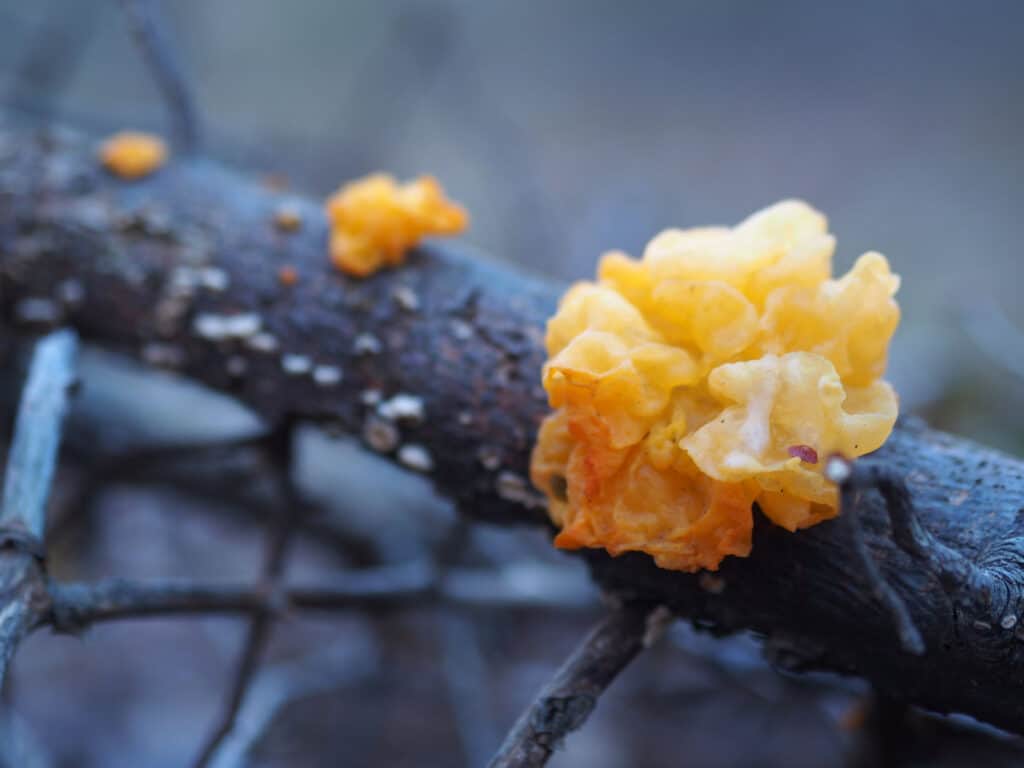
27	481
281	445
565	703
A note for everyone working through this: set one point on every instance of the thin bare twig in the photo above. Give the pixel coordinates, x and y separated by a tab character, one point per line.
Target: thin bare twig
565	703
282	683
462	662
50	58
233	471
149	28
281	446
466	678
75	606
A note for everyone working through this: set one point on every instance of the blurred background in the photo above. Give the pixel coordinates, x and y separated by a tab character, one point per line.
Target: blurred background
568	127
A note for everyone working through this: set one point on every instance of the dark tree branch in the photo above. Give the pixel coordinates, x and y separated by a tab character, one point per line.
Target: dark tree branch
182	268
150	30
27	481
565	703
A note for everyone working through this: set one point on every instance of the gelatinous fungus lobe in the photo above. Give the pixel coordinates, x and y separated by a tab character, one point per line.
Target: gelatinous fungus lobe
375	221
132	155
708	375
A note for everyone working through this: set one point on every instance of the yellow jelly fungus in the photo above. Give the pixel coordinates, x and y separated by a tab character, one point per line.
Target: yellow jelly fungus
709	375
132	155
375	220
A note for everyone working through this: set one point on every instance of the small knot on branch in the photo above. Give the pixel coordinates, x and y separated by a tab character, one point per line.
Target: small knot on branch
18	539
556	716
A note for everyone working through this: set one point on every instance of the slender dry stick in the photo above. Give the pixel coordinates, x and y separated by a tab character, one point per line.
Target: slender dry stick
75	606
565	703
149	28
230	470
463	664
281	446
50	58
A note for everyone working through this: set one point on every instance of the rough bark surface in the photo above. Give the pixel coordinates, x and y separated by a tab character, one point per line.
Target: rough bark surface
143	267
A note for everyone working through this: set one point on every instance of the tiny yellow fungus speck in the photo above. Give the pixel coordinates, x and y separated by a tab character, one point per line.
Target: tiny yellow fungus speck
375	221
132	155
709	375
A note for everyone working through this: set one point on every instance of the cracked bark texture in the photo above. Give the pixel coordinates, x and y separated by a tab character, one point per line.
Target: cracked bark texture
142	267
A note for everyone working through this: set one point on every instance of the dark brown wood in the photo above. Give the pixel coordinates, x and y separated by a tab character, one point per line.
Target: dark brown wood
154	267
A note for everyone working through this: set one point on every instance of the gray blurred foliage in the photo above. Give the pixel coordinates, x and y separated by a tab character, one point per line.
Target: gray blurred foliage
569	128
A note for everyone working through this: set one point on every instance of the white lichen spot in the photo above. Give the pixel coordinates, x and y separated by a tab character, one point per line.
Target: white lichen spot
296	365
402	407
512	487
382	436
367	344
214	327
327	375
1009	621
465	418
959	497
244	325
210	327
462	330
838	469
213	279
489	458
415	457
406	298
262	342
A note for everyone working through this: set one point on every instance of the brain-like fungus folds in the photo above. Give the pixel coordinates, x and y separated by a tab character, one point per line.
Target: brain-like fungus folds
708	375
375	221
132	155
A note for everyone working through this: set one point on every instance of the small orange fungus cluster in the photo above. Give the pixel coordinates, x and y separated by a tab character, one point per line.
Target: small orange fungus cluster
708	375
132	155
375	220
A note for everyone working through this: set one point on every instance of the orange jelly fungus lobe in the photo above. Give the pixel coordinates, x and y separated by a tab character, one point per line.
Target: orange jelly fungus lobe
132	155
708	375
287	276
375	221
